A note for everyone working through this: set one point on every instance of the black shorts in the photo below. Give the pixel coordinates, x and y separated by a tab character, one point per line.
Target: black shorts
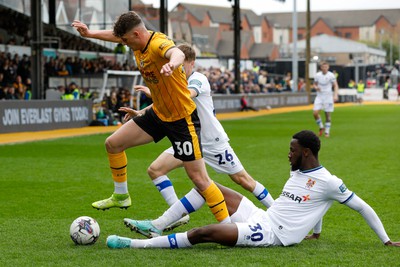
184	134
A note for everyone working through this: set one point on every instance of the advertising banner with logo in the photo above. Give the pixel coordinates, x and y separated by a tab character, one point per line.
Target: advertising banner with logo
40	115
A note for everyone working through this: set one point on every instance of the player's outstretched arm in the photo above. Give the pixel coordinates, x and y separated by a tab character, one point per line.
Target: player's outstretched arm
130	113
105	35
176	58
316	231
392	244
370	217
312	236
143	89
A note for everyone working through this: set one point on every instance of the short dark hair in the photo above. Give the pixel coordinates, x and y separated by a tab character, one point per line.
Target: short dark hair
126	22
308	139
190	54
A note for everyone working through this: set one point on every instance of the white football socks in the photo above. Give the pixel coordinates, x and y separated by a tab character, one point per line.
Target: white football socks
121	188
178	240
165	187
191	202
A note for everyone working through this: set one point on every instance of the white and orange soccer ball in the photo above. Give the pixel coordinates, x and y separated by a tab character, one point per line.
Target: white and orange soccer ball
84	231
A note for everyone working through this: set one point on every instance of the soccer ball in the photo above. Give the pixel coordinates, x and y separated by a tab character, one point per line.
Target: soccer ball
84	231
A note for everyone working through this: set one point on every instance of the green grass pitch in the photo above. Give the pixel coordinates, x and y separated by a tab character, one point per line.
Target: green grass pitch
45	185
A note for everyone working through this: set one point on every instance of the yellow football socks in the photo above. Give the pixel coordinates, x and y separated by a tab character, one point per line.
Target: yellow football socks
118	164
216	202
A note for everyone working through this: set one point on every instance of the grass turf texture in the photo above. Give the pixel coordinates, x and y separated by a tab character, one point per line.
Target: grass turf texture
45	185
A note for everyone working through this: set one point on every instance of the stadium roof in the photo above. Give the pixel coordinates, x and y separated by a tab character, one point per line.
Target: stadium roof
331	44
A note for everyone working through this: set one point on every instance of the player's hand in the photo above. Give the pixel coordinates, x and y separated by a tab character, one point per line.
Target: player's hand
167	69
392	244
130	113
143	89
81	27
335	98
313	236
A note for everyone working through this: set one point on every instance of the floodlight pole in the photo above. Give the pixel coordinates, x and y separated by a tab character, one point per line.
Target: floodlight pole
164	16
236	48
295	71
36	50
308	53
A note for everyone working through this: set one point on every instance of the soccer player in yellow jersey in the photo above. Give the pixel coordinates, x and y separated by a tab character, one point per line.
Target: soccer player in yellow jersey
173	113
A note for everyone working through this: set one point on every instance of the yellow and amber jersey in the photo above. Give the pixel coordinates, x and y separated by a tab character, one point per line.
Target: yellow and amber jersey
171	98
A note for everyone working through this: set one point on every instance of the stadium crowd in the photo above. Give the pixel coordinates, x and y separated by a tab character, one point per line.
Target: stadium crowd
15	73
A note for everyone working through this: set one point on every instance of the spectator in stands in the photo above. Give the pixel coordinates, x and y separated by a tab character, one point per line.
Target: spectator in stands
86	94
113	102
360	91
23	68
287	85
20	88
263	80
301	86
386	87
351	84
61	90
120	49
3	92
28	92
398	91
244	105
3	88
63	71
8	71
67	94
2	82
74	90
10	95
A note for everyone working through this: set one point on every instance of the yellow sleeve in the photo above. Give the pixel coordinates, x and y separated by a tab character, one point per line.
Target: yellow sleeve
162	44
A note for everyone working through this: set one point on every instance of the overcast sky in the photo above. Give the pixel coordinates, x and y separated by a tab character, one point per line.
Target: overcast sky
265	6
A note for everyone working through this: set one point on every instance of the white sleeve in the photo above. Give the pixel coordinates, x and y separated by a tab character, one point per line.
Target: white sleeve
318	227
369	215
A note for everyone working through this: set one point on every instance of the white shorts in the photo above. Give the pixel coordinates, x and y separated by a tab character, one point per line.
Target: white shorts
222	158
254	229
324	103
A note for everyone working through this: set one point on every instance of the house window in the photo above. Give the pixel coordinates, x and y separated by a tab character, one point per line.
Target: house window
347	35
300	36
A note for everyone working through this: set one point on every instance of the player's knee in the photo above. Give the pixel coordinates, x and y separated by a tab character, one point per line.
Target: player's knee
112	145
153	172
109	144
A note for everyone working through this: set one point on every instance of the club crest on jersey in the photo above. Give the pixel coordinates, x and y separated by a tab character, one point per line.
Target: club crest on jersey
342	188
310	183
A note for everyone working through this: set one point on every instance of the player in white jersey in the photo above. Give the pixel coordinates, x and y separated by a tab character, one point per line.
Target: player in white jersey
305	198
217	151
324	82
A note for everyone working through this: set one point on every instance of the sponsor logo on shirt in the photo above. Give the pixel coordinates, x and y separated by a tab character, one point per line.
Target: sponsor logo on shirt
310	183
195	82
163	45
149	76
343	188
294	197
